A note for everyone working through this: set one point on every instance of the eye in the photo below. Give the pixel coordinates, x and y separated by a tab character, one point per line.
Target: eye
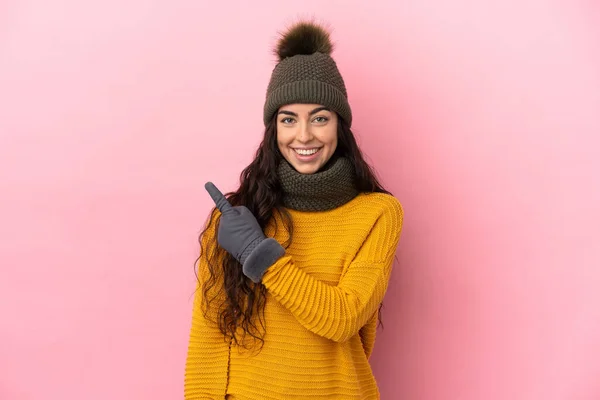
321	119
287	120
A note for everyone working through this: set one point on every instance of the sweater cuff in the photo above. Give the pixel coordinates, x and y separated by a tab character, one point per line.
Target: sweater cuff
261	258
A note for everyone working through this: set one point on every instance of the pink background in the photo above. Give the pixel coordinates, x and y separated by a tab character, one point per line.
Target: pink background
481	117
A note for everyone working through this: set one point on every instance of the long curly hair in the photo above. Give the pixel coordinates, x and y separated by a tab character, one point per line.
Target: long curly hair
240	302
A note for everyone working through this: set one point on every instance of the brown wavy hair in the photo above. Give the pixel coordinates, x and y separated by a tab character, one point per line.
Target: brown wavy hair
241	310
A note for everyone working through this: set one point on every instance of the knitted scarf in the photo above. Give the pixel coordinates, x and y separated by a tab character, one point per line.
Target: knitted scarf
328	188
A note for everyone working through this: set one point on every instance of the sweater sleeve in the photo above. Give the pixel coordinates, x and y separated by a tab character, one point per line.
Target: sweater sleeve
339	312
368	333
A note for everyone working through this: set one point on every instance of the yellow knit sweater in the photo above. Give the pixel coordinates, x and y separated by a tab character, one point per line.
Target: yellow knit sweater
320	313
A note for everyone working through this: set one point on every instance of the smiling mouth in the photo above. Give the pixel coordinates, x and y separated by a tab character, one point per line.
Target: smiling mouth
307	152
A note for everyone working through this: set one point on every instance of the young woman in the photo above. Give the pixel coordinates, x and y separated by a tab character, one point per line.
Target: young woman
294	265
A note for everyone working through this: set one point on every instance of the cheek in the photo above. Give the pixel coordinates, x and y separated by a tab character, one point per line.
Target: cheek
331	135
333	146
282	144
331	139
285	136
334	139
279	139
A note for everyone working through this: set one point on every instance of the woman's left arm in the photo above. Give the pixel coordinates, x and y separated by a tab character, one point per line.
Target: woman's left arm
339	312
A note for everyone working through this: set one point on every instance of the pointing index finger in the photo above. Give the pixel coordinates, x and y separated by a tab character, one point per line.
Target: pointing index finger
220	200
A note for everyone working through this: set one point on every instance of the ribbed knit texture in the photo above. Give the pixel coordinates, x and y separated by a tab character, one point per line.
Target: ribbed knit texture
320	314
307	79
324	190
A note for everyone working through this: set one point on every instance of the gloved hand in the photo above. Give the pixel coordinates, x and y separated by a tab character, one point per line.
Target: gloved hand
242	237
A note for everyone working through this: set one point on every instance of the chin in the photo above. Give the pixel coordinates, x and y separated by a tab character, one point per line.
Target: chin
306	168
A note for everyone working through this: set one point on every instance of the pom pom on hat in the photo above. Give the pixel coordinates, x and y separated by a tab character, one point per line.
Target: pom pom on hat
303	38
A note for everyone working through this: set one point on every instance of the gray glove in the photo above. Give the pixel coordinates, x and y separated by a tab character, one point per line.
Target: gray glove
241	236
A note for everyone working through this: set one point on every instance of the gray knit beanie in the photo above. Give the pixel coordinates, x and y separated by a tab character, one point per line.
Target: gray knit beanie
306	73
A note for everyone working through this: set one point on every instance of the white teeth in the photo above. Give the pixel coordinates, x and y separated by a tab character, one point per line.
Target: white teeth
306	152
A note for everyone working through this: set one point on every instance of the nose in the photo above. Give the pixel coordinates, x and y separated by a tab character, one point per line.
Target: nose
304	134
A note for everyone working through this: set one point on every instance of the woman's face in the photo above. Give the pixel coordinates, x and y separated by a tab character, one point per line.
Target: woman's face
306	135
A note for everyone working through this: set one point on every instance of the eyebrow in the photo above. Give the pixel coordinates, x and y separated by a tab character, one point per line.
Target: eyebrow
293	114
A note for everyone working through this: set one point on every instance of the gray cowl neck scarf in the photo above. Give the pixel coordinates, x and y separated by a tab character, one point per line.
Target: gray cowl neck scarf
328	188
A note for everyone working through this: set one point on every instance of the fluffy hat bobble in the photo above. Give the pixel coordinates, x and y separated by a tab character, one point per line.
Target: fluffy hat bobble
303	38
306	73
